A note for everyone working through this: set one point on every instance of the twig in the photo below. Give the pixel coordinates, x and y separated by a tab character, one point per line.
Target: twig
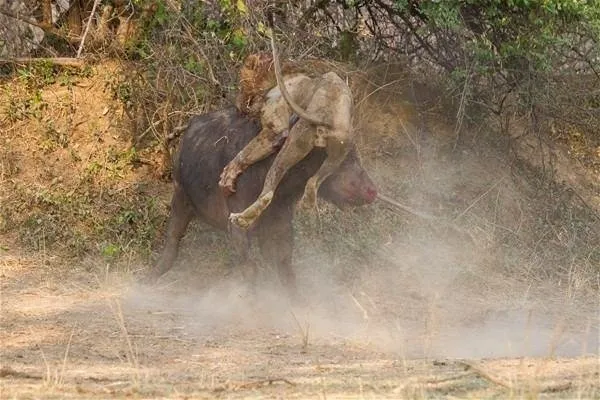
479	371
130	354
252	385
460	114
262	382
479	198
429	217
310	11
435	381
64	364
211	74
87	27
412	140
66	61
226	138
6	372
303	331
377	90
401	206
590	208
558	387
46	364
365	313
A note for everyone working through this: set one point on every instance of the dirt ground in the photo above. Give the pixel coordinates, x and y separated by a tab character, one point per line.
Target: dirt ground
496	298
197	334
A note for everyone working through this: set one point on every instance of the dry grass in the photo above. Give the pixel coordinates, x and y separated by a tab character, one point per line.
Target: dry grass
71	179
110	344
503	241
91	357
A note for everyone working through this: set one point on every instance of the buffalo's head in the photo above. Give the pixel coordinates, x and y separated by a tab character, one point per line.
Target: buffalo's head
349	185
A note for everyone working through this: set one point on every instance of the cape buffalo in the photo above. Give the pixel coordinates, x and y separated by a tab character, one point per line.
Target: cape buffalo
208	144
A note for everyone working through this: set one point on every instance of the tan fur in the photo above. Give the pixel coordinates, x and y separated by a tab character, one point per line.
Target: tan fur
257	77
259	99
325	107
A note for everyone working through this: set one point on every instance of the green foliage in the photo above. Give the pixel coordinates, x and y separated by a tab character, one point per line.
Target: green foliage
43	73
528	51
53	138
111	223
348	45
161	17
194	66
134	227
110	251
223	19
21	108
442	14
39	74
510	35
229	25
122	90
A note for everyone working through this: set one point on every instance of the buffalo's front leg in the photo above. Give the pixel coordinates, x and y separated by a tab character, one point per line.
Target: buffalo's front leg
294	149
179	218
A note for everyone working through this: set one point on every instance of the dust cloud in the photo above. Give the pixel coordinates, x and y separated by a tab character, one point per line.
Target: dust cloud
423	304
450	307
475	286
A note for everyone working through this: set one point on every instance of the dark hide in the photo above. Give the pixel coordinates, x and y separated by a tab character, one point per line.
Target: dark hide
208	144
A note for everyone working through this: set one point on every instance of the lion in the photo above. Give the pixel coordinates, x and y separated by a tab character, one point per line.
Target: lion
324	106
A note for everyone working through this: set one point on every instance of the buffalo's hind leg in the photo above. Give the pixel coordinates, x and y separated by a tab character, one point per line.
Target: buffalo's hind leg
276	242
242	260
180	216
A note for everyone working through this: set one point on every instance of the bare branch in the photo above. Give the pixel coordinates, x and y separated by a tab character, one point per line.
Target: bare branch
87	28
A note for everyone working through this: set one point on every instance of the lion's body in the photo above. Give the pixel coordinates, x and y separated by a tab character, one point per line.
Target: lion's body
324	105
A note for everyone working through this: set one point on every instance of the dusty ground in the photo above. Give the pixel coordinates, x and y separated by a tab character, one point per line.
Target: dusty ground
495	297
197	334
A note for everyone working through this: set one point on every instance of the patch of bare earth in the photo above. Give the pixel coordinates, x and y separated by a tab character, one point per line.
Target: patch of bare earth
84	335
69	170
